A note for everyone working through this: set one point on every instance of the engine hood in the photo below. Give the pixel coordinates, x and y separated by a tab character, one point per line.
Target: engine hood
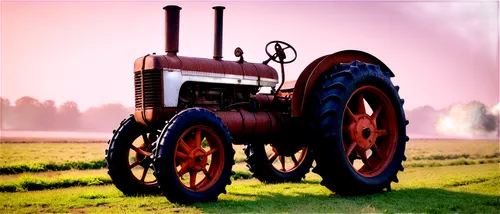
205	66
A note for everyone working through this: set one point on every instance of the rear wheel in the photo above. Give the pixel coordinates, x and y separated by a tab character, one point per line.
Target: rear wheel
128	158
194	157
361	125
271	164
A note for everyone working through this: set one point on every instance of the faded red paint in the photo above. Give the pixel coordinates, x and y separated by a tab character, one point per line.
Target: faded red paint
170	61
245	123
289	85
363	131
267	101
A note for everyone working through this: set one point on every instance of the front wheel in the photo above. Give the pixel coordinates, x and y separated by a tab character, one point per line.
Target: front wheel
361	129
194	157
128	158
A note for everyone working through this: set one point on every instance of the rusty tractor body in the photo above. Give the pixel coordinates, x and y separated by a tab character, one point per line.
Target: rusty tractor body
343	112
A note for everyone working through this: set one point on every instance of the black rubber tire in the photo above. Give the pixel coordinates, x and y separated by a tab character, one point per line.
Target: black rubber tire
117	159
332	94
258	163
165	171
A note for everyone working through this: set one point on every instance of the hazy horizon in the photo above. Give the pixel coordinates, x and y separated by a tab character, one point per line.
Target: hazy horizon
441	52
35	118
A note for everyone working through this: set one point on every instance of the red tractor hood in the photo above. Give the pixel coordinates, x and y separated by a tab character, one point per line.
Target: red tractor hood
206	66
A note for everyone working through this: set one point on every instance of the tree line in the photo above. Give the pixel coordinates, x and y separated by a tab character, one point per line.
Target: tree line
30	114
27	113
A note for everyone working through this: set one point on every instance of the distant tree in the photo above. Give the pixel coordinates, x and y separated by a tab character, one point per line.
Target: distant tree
4	113
28	114
68	116
50	114
422	121
104	118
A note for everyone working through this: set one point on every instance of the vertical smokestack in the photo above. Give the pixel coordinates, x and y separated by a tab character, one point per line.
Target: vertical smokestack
218	31
172	29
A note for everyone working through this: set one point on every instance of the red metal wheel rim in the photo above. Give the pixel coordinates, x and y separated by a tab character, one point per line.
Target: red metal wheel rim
276	155
141	159
369	137
192	159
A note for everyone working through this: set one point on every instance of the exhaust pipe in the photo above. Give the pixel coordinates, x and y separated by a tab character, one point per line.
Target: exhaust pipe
218	16
172	29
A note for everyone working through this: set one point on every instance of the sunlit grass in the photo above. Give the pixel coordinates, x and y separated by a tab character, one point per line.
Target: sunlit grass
29	153
452	189
70	178
51	166
472	148
26	153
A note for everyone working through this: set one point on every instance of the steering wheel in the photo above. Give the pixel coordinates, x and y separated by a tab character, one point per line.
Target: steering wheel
280	52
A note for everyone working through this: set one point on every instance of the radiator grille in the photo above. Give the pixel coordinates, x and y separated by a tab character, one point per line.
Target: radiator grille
152	96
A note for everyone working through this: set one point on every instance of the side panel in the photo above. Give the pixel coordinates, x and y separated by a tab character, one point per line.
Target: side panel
174	78
315	70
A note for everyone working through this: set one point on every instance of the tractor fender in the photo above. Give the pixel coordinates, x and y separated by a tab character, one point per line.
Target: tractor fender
307	79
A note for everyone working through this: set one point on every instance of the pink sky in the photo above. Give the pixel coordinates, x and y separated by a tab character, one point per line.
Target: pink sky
441	52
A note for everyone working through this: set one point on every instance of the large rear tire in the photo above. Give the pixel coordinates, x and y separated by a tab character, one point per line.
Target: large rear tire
194	157
128	158
358	151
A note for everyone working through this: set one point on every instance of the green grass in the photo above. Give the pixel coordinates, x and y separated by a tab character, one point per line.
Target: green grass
439	177
450	148
71	178
51	166
456	156
41	157
28	183
39	152
451	189
452	162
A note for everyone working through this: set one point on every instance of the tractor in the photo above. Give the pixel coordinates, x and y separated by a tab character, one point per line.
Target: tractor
343	115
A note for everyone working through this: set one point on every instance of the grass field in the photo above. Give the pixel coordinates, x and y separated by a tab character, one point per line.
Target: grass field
426	188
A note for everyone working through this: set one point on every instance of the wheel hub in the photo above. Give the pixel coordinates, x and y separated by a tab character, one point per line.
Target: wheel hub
362	131
197	160
144	160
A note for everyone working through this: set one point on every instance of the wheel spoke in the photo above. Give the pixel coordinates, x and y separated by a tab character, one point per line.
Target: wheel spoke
192	179
381	132
350	114
183	170
140	151
273	157
361	104
282	160
376	112
352	158
152	138
295	160
184	146
197	140
144	173
145	139
181	155
365	159
377	151
350	149
211	151
134	164
206	174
